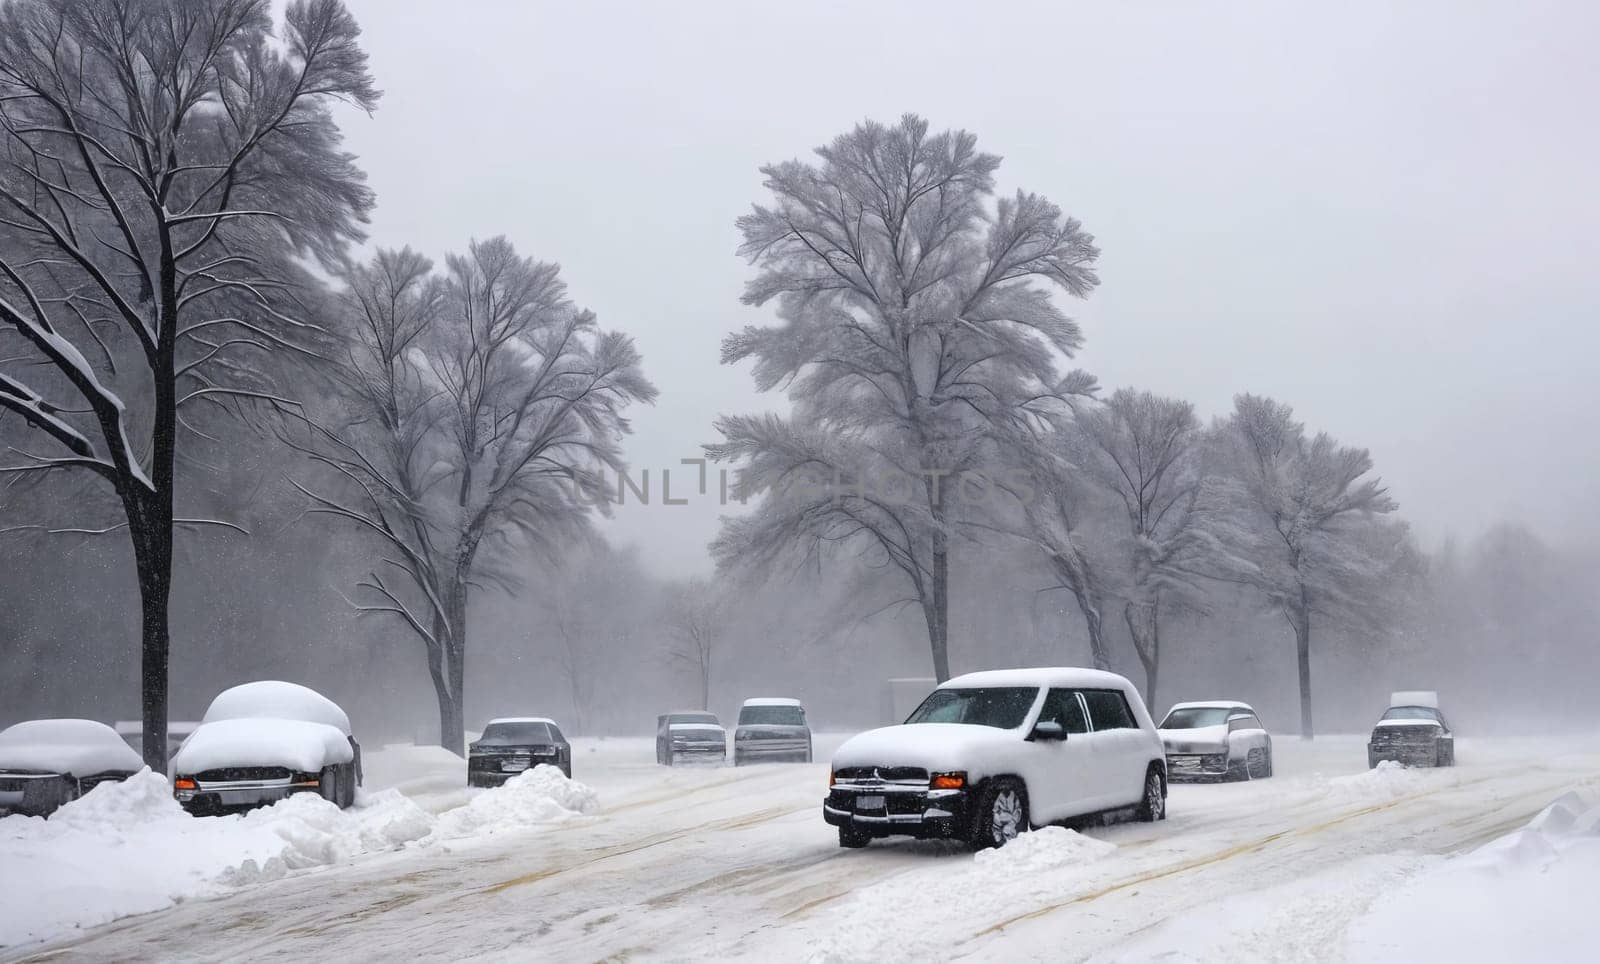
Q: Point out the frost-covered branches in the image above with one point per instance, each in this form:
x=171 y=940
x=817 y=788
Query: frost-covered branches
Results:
x=916 y=316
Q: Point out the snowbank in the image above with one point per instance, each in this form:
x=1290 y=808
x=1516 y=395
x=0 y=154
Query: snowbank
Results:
x=298 y=745
x=79 y=747
x=129 y=848
x=540 y=795
x=1523 y=896
x=904 y=917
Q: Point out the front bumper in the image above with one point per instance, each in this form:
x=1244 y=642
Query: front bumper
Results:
x=921 y=813
x=34 y=794
x=700 y=748
x=794 y=750
x=1409 y=754
x=217 y=794
x=1196 y=766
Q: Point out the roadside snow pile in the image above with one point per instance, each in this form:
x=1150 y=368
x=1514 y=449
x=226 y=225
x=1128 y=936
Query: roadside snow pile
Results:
x=1518 y=897
x=904 y=917
x=540 y=795
x=1390 y=780
x=128 y=848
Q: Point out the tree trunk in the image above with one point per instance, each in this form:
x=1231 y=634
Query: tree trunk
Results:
x=937 y=608
x=1095 y=621
x=152 y=550
x=1300 y=618
x=705 y=684
x=452 y=704
x=1146 y=634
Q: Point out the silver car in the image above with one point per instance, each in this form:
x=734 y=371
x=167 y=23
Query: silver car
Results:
x=772 y=729
x=1217 y=739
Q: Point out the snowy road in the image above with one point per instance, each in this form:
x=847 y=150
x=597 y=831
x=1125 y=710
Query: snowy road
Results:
x=698 y=863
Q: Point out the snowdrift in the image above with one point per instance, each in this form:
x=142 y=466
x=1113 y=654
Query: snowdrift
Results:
x=1519 y=897
x=129 y=848
x=901 y=919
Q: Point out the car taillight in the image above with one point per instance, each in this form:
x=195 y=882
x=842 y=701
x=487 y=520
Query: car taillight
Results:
x=947 y=781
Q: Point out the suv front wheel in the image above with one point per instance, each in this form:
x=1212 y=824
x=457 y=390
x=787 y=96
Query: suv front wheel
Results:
x=1002 y=813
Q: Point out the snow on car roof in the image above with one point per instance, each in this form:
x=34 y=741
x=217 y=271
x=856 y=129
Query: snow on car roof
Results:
x=79 y=747
x=1427 y=698
x=520 y=719
x=1213 y=705
x=271 y=699
x=301 y=745
x=771 y=701
x=1041 y=676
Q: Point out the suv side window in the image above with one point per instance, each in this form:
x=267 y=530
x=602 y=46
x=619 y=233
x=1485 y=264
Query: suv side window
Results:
x=1246 y=723
x=1109 y=710
x=1062 y=706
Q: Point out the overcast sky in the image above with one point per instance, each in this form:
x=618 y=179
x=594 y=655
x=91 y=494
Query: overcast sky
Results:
x=1383 y=214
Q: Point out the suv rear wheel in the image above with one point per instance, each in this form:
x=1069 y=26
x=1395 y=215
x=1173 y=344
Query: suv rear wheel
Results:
x=1154 y=805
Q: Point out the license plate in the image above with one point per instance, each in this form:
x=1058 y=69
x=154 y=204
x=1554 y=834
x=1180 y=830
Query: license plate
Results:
x=513 y=766
x=869 y=803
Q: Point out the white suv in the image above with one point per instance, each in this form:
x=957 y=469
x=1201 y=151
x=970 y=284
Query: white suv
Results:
x=991 y=754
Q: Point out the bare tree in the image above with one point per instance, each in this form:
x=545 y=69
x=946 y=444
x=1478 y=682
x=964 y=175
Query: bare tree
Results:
x=511 y=396
x=697 y=615
x=913 y=319
x=162 y=166
x=1305 y=535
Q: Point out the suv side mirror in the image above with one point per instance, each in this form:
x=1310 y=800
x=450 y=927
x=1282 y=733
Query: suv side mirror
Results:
x=1048 y=731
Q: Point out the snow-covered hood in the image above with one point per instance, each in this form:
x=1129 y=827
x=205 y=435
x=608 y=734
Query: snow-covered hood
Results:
x=296 y=744
x=1196 y=739
x=79 y=747
x=931 y=746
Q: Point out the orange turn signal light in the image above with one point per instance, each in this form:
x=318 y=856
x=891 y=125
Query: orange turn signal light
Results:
x=832 y=778
x=184 y=783
x=948 y=781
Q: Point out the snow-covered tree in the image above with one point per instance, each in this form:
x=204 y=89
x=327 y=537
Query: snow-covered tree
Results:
x=501 y=400
x=1148 y=450
x=165 y=167
x=1304 y=532
x=916 y=316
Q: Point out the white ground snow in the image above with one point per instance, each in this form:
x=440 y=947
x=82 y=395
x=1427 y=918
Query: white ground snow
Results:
x=1326 y=861
x=128 y=848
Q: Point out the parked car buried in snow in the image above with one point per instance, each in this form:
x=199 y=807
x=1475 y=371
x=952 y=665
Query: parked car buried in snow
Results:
x=261 y=742
x=1413 y=732
x=46 y=763
x=511 y=745
x=690 y=735
x=1220 y=738
x=989 y=755
x=772 y=729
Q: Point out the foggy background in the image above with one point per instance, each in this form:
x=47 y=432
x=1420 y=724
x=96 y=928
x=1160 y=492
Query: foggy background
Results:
x=1382 y=215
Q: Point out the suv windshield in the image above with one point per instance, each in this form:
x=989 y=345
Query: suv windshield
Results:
x=692 y=718
x=772 y=716
x=1412 y=713
x=1004 y=707
x=1194 y=717
x=517 y=734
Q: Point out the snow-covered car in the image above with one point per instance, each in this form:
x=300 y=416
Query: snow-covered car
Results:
x=45 y=763
x=261 y=742
x=132 y=733
x=512 y=744
x=690 y=735
x=1412 y=731
x=1216 y=738
x=991 y=754
x=772 y=728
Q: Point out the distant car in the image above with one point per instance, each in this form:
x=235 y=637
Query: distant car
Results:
x=46 y=763
x=1219 y=738
x=261 y=742
x=511 y=745
x=132 y=732
x=690 y=735
x=1413 y=732
x=772 y=729
x=990 y=755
